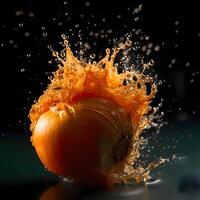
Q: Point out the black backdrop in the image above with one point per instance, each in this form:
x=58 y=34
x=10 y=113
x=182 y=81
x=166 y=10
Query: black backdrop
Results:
x=28 y=26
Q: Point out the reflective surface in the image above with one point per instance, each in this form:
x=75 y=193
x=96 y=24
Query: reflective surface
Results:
x=22 y=175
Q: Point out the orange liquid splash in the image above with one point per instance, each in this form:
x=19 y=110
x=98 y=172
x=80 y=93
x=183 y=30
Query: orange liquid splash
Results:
x=75 y=80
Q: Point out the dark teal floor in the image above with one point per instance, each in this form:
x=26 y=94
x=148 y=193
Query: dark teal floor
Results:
x=23 y=177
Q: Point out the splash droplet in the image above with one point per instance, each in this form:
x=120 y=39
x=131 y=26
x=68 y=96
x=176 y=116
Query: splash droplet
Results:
x=44 y=34
x=92 y=56
x=31 y=14
x=21 y=25
x=87 y=3
x=28 y=55
x=19 y=12
x=27 y=34
x=157 y=48
x=22 y=70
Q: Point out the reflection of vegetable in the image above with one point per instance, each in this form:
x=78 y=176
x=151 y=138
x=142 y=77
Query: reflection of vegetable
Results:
x=83 y=142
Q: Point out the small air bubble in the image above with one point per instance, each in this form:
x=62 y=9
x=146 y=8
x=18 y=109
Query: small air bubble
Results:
x=194 y=112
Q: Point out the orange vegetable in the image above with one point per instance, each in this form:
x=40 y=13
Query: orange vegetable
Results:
x=79 y=142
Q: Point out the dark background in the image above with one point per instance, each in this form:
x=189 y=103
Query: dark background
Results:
x=28 y=27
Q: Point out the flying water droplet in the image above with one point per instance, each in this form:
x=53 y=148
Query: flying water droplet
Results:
x=173 y=61
x=187 y=64
x=157 y=48
x=87 y=3
x=92 y=56
x=194 y=112
x=44 y=34
x=21 y=25
x=22 y=70
x=19 y=12
x=28 y=55
x=11 y=42
x=192 y=81
x=27 y=34
x=176 y=22
x=31 y=14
